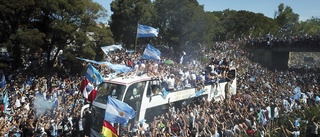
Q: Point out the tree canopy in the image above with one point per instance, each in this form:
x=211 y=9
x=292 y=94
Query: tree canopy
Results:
x=36 y=27
x=50 y=26
x=184 y=25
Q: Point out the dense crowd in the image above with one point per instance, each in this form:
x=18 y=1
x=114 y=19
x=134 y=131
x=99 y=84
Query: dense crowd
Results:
x=284 y=41
x=264 y=102
x=264 y=99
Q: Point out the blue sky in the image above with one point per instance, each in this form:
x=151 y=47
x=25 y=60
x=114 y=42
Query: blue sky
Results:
x=305 y=8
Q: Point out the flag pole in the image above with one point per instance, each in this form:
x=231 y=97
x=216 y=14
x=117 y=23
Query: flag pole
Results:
x=136 y=40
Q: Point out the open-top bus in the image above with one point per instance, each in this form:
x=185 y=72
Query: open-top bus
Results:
x=142 y=94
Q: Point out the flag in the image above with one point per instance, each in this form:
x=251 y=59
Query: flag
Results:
x=87 y=89
x=151 y=53
x=252 y=78
x=93 y=75
x=92 y=95
x=88 y=60
x=84 y=83
x=297 y=122
x=200 y=92
x=181 y=59
x=118 y=111
x=317 y=98
x=297 y=93
x=146 y=31
x=117 y=67
x=164 y=93
x=108 y=130
x=3 y=81
x=6 y=101
x=107 y=49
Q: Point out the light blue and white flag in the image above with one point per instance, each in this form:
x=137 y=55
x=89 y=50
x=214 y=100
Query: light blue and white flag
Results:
x=146 y=31
x=297 y=122
x=297 y=93
x=151 y=53
x=118 y=111
x=93 y=75
x=115 y=67
x=252 y=78
x=6 y=101
x=317 y=98
x=107 y=49
x=200 y=92
x=181 y=59
x=164 y=93
x=90 y=61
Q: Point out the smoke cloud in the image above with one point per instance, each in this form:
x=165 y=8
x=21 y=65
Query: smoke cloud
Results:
x=41 y=105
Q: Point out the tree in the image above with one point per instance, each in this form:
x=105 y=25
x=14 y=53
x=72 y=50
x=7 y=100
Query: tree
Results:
x=125 y=18
x=183 y=24
x=285 y=17
x=233 y=24
x=51 y=26
x=15 y=31
x=310 y=26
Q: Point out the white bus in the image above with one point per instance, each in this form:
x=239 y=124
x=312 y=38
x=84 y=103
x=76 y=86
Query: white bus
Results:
x=139 y=93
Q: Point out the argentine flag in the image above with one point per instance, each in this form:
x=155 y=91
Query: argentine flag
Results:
x=118 y=111
x=146 y=31
x=151 y=53
x=93 y=75
x=117 y=67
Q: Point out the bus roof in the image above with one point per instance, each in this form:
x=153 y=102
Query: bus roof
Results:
x=127 y=80
x=130 y=80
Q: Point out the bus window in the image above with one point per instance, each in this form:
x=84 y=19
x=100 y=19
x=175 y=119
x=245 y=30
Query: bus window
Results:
x=97 y=117
x=153 y=88
x=105 y=89
x=155 y=111
x=133 y=96
x=232 y=74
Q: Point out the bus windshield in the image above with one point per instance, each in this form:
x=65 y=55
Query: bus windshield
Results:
x=105 y=89
x=97 y=115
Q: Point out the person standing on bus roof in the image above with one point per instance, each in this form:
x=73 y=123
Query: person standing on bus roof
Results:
x=170 y=81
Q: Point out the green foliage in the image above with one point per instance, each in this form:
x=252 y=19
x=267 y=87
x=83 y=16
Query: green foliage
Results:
x=40 y=26
x=182 y=22
x=52 y=25
x=126 y=16
x=285 y=16
x=310 y=26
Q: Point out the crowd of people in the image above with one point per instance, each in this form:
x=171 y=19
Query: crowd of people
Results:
x=264 y=102
x=284 y=41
